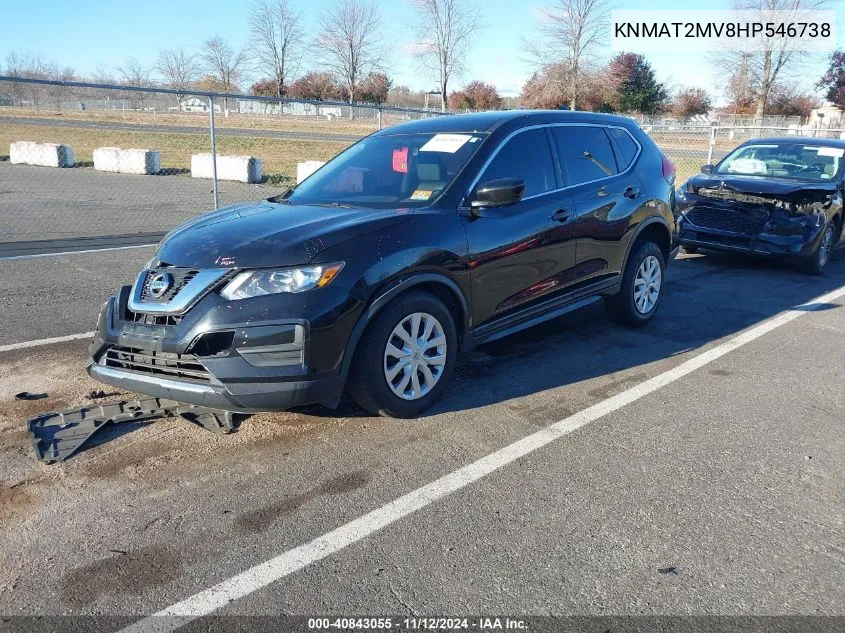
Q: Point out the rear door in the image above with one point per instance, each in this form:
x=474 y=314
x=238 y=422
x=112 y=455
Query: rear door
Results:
x=520 y=253
x=597 y=162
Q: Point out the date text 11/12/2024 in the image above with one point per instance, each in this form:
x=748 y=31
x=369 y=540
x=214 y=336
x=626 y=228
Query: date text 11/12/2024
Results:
x=418 y=624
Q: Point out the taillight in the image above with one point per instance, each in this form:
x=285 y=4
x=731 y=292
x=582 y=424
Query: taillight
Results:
x=668 y=170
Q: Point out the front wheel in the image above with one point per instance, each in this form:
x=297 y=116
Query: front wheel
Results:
x=818 y=261
x=405 y=356
x=642 y=287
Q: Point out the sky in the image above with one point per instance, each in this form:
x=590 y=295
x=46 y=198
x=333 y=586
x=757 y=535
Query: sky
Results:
x=103 y=33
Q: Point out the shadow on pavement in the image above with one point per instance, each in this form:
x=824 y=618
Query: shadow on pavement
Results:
x=708 y=297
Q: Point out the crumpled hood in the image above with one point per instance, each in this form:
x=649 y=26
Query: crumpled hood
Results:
x=789 y=195
x=267 y=234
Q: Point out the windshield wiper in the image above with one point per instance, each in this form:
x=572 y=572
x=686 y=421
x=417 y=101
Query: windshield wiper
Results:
x=336 y=205
x=281 y=198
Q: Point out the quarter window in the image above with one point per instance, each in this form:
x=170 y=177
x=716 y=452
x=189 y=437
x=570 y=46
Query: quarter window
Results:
x=526 y=156
x=627 y=146
x=585 y=151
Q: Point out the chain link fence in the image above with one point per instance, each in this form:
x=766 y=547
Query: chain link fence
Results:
x=691 y=147
x=140 y=161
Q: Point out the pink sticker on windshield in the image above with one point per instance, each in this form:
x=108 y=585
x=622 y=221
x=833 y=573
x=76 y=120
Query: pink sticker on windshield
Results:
x=400 y=160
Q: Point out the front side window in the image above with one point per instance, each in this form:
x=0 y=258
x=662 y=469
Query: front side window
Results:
x=585 y=151
x=390 y=171
x=527 y=157
x=784 y=160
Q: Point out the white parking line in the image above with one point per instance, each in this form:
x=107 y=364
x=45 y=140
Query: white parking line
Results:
x=263 y=574
x=45 y=341
x=89 y=250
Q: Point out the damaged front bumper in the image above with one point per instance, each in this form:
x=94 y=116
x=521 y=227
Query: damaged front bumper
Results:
x=208 y=360
x=795 y=236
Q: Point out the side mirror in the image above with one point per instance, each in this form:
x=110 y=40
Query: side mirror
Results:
x=707 y=169
x=498 y=193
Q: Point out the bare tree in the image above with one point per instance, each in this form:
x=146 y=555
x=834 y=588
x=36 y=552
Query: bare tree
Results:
x=134 y=73
x=60 y=93
x=444 y=29
x=570 y=29
x=28 y=66
x=178 y=69
x=102 y=75
x=225 y=65
x=278 y=40
x=758 y=67
x=349 y=41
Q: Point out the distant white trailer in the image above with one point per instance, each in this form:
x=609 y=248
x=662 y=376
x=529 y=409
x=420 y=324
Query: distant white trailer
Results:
x=42 y=154
x=241 y=168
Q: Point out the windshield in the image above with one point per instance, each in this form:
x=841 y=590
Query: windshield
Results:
x=389 y=171
x=784 y=160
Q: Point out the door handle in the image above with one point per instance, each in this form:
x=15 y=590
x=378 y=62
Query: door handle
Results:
x=631 y=192
x=562 y=215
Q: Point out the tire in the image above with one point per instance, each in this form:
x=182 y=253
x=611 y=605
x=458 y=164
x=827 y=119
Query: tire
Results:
x=623 y=307
x=691 y=249
x=368 y=381
x=818 y=261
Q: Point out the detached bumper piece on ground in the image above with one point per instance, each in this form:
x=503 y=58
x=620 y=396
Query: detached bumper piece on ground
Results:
x=58 y=435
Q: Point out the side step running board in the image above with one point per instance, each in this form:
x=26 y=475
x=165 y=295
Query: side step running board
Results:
x=58 y=435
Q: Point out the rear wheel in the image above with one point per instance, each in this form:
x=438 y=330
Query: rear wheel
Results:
x=642 y=287
x=405 y=356
x=818 y=261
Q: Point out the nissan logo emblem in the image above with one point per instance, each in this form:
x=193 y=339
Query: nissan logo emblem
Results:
x=160 y=283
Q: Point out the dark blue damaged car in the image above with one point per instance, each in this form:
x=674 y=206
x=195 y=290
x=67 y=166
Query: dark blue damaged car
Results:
x=770 y=196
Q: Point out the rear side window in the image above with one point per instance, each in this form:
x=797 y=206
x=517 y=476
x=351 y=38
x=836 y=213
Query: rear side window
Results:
x=585 y=151
x=526 y=156
x=627 y=147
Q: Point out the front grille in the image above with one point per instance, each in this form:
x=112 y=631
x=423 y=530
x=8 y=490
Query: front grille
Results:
x=154 y=319
x=181 y=277
x=746 y=220
x=164 y=364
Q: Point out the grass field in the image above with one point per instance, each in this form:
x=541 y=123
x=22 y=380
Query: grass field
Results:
x=282 y=123
x=280 y=156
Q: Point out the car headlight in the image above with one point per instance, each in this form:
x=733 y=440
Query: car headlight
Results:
x=681 y=193
x=257 y=283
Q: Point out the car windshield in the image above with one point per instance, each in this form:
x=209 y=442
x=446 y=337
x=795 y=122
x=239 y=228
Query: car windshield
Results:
x=784 y=160
x=389 y=171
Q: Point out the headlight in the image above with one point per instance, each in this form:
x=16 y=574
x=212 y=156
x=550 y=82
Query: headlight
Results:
x=257 y=283
x=681 y=193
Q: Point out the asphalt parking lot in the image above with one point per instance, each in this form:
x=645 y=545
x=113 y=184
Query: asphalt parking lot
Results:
x=67 y=204
x=697 y=473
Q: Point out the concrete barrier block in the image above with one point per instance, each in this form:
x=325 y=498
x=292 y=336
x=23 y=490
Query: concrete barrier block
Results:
x=43 y=154
x=139 y=161
x=127 y=161
x=241 y=168
x=107 y=159
x=306 y=168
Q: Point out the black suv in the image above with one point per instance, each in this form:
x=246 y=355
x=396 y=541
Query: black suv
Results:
x=419 y=241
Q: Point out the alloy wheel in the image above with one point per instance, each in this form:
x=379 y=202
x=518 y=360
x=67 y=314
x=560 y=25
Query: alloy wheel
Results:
x=826 y=247
x=647 y=284
x=415 y=356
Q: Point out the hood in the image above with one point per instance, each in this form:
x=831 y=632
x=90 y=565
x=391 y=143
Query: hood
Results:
x=790 y=195
x=267 y=234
